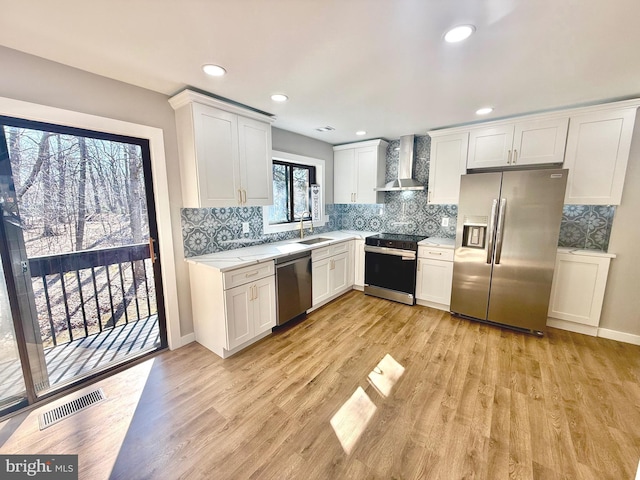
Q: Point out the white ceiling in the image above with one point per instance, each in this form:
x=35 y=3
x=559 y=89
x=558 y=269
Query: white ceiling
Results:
x=374 y=65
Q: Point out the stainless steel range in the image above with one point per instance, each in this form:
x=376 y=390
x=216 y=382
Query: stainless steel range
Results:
x=390 y=266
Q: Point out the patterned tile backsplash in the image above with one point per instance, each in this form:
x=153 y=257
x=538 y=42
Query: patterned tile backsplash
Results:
x=586 y=226
x=210 y=230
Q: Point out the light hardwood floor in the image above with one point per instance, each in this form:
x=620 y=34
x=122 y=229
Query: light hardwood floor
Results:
x=473 y=401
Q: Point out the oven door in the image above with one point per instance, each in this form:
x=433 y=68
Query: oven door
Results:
x=390 y=268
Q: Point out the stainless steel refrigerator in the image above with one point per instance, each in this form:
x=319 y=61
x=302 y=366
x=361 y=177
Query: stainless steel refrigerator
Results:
x=506 y=243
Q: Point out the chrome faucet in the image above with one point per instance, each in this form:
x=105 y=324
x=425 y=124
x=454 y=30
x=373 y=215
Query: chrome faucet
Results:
x=302 y=224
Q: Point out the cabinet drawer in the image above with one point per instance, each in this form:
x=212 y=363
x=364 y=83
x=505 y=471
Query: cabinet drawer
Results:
x=329 y=250
x=436 y=253
x=244 y=275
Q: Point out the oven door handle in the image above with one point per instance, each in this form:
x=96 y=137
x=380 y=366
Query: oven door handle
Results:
x=405 y=254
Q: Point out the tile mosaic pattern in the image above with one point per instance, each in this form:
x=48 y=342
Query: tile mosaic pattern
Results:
x=403 y=212
x=400 y=215
x=210 y=230
x=586 y=226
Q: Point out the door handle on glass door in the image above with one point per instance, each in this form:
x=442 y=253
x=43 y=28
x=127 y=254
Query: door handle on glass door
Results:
x=491 y=232
x=500 y=230
x=152 y=250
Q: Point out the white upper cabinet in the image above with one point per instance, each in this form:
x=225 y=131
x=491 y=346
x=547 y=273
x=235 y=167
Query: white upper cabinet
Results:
x=529 y=142
x=344 y=172
x=256 y=169
x=448 y=161
x=359 y=168
x=225 y=152
x=597 y=154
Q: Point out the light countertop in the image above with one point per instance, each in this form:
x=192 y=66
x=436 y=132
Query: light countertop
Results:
x=587 y=253
x=438 y=242
x=242 y=257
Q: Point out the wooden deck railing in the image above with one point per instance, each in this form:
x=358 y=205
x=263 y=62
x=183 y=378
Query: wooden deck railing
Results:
x=81 y=293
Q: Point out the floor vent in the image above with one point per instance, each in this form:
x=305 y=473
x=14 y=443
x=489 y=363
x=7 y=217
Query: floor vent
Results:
x=73 y=406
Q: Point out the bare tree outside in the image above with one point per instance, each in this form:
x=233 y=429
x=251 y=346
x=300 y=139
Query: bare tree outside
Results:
x=79 y=194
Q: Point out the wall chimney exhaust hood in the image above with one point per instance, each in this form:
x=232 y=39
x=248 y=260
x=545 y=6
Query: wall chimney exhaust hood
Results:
x=405 y=180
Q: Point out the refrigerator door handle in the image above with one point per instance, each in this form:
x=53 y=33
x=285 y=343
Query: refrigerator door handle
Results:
x=500 y=230
x=491 y=231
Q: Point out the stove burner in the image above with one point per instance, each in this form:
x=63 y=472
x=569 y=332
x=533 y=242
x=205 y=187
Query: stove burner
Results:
x=395 y=240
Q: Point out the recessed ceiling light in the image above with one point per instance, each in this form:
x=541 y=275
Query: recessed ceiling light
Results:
x=214 y=70
x=459 y=33
x=279 y=97
x=361 y=132
x=484 y=111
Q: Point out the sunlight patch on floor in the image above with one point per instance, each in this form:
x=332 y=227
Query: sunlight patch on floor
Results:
x=351 y=420
x=385 y=375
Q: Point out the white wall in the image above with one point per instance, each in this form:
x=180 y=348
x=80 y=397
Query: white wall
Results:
x=621 y=309
x=33 y=79
x=36 y=80
x=285 y=141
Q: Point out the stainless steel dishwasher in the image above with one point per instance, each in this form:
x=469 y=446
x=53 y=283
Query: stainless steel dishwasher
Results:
x=293 y=286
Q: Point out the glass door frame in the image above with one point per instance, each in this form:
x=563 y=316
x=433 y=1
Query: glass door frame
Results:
x=32 y=396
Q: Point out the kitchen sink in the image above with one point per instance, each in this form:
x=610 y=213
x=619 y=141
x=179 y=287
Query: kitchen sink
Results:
x=311 y=241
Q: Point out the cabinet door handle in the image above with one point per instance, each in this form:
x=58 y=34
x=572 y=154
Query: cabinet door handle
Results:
x=255 y=290
x=244 y=196
x=419 y=263
x=253 y=274
x=240 y=196
x=509 y=158
x=515 y=156
x=435 y=253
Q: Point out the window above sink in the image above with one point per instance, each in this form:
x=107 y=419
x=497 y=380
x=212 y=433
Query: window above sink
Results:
x=281 y=217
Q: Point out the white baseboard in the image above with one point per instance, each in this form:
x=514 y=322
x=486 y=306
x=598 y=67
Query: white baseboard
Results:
x=330 y=299
x=619 y=336
x=427 y=303
x=572 y=327
x=186 y=339
x=594 y=331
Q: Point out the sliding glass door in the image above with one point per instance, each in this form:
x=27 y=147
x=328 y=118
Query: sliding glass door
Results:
x=78 y=240
x=13 y=393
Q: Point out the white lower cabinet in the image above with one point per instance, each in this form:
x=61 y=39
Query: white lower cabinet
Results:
x=358 y=264
x=577 y=292
x=332 y=271
x=233 y=309
x=320 y=281
x=434 y=276
x=250 y=311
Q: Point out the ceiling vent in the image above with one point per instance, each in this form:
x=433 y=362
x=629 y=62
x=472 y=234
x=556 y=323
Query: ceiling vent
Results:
x=325 y=129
